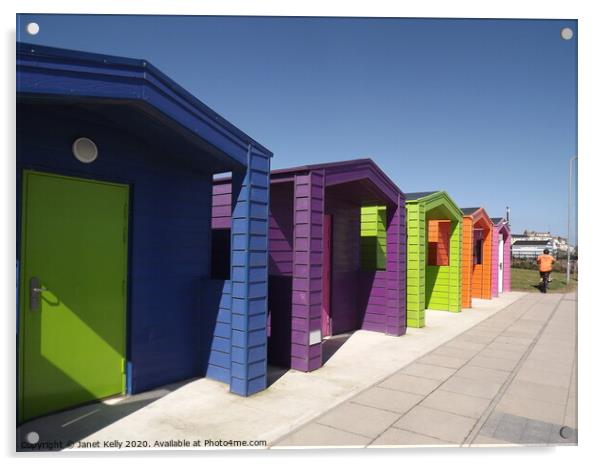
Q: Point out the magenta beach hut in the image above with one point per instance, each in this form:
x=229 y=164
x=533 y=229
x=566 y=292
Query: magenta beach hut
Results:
x=500 y=257
x=318 y=283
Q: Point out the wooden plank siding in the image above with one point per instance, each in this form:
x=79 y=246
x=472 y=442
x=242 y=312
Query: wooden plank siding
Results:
x=307 y=270
x=467 y=262
x=477 y=281
x=384 y=288
x=416 y=264
x=371 y=300
x=437 y=287
x=500 y=231
x=396 y=269
x=508 y=260
x=249 y=263
x=373 y=234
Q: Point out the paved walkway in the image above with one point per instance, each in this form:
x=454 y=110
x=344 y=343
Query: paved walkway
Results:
x=511 y=379
x=204 y=409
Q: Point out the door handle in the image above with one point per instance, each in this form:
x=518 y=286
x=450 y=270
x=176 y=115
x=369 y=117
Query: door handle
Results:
x=35 y=293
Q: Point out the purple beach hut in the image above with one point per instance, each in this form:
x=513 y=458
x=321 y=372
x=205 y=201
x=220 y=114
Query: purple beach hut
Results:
x=318 y=284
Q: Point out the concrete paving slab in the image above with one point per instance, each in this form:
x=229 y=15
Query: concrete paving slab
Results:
x=444 y=361
x=490 y=425
x=483 y=373
x=532 y=409
x=457 y=343
x=510 y=428
x=456 y=403
x=544 y=377
x=472 y=338
x=536 y=432
x=459 y=353
x=537 y=391
x=359 y=419
x=501 y=354
x=428 y=371
x=493 y=363
x=398 y=437
x=318 y=435
x=479 y=388
x=409 y=383
x=440 y=424
x=389 y=400
x=485 y=441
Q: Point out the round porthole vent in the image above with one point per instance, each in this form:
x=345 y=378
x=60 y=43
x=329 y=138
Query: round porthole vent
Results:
x=85 y=150
x=32 y=29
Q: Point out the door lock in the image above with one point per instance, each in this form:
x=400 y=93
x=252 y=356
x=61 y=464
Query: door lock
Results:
x=35 y=293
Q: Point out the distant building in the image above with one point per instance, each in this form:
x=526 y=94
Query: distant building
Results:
x=556 y=243
x=530 y=249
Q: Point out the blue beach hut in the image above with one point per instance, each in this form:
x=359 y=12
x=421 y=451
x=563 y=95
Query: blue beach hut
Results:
x=122 y=286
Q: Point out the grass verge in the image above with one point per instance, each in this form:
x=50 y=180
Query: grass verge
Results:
x=524 y=280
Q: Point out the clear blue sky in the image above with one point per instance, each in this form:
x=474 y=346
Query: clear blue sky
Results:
x=484 y=109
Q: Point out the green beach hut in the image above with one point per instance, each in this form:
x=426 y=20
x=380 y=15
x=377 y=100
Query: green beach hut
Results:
x=434 y=236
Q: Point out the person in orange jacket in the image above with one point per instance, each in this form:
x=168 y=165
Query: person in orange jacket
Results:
x=545 y=262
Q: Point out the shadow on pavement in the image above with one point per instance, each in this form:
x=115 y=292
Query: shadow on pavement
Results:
x=332 y=344
x=60 y=430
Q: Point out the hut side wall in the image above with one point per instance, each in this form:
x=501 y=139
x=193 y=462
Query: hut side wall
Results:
x=382 y=306
x=503 y=232
x=373 y=238
x=396 y=270
x=416 y=264
x=495 y=237
x=508 y=263
x=455 y=267
x=481 y=273
x=500 y=231
x=467 y=262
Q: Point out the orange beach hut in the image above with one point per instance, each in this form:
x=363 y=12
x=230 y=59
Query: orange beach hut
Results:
x=477 y=239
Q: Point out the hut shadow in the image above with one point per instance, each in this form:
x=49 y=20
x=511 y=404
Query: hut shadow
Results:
x=60 y=430
x=280 y=291
x=332 y=344
x=275 y=373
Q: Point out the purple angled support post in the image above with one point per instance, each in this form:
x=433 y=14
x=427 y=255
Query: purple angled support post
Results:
x=396 y=270
x=306 y=354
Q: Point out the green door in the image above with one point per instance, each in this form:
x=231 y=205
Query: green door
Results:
x=72 y=292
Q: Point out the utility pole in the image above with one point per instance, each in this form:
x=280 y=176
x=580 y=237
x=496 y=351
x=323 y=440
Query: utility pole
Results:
x=568 y=233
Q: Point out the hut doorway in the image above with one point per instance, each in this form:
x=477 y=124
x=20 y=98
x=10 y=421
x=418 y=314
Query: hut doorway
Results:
x=500 y=275
x=73 y=302
x=326 y=275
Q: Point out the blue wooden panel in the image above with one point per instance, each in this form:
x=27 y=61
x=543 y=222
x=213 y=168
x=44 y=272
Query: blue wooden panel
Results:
x=257 y=384
x=249 y=278
x=173 y=306
x=220 y=344
x=218 y=358
x=239 y=371
x=221 y=374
